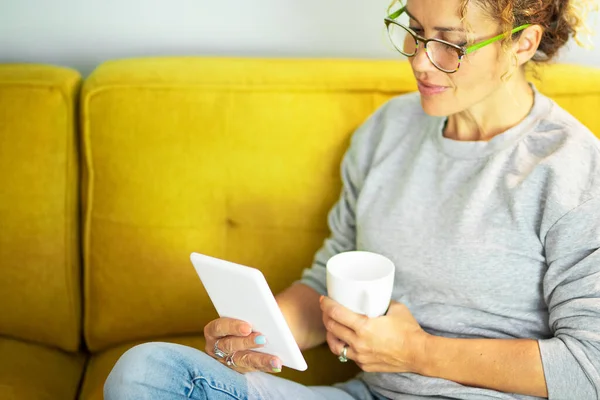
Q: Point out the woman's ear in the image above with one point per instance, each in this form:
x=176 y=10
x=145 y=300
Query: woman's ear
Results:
x=527 y=44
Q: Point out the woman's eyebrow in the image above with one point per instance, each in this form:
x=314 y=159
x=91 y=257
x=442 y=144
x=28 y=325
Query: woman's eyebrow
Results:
x=437 y=28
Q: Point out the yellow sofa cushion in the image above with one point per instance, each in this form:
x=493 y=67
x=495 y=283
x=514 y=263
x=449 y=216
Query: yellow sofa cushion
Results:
x=235 y=158
x=575 y=88
x=30 y=371
x=39 y=241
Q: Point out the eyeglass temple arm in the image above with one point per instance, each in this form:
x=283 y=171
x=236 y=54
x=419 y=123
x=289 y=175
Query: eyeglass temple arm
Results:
x=396 y=14
x=495 y=38
x=477 y=46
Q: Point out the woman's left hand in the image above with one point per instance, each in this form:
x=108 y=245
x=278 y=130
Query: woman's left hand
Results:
x=390 y=343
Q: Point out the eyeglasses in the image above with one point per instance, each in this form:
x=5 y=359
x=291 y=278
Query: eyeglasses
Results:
x=445 y=56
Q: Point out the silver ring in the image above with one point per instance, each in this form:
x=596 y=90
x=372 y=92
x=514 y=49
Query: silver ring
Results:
x=229 y=360
x=343 y=357
x=218 y=352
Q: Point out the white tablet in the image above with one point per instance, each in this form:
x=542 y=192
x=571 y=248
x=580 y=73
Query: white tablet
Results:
x=243 y=293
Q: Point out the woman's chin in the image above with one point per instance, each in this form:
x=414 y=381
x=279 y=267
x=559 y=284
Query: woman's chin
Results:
x=435 y=108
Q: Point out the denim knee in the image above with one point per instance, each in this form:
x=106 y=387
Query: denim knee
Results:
x=167 y=370
x=130 y=374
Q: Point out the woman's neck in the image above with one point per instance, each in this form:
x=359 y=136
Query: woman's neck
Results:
x=503 y=109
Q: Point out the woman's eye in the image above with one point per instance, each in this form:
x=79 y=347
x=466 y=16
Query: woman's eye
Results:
x=456 y=42
x=416 y=29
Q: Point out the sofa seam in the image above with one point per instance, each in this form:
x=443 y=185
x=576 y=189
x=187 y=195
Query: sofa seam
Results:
x=225 y=88
x=69 y=223
x=33 y=85
x=283 y=88
x=87 y=150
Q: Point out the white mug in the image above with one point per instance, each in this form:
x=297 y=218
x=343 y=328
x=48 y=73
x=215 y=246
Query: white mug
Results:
x=361 y=281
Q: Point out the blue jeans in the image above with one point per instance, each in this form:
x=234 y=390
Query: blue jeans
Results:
x=170 y=371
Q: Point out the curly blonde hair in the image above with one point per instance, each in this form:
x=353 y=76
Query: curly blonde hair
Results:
x=560 y=19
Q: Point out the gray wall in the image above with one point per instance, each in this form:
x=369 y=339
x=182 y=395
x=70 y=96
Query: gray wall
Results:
x=83 y=33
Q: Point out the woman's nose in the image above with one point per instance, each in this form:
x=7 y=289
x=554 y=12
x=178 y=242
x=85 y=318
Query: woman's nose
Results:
x=420 y=61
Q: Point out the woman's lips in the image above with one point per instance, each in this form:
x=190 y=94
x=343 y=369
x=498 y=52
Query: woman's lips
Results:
x=429 y=89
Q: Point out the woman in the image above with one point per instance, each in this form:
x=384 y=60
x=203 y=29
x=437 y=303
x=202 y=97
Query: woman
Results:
x=484 y=193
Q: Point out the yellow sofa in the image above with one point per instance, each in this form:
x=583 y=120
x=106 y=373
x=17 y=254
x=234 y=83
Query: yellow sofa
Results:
x=108 y=184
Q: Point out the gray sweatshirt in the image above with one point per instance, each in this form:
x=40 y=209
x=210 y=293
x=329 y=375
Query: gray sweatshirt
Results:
x=494 y=239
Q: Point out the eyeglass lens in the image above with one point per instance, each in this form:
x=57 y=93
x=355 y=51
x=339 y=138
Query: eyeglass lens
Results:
x=443 y=56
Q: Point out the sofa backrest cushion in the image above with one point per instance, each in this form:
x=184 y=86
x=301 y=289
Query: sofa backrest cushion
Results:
x=40 y=290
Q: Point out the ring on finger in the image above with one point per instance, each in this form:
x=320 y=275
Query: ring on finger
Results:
x=229 y=360
x=218 y=352
x=343 y=357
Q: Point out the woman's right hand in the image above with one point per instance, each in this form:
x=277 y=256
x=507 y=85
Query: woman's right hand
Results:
x=236 y=339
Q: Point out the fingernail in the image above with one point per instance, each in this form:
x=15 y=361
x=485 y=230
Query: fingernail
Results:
x=277 y=370
x=276 y=365
x=260 y=340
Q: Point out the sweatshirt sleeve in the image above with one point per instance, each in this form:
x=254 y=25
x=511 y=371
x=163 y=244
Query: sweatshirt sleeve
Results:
x=342 y=217
x=571 y=286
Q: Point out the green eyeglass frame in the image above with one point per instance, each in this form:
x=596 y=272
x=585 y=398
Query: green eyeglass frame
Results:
x=391 y=19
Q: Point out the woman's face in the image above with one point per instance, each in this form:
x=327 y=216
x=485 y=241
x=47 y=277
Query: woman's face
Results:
x=480 y=72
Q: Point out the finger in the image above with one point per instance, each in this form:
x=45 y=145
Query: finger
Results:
x=325 y=319
x=332 y=325
x=222 y=327
x=338 y=348
x=342 y=315
x=253 y=361
x=340 y=331
x=334 y=343
x=360 y=358
x=230 y=344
